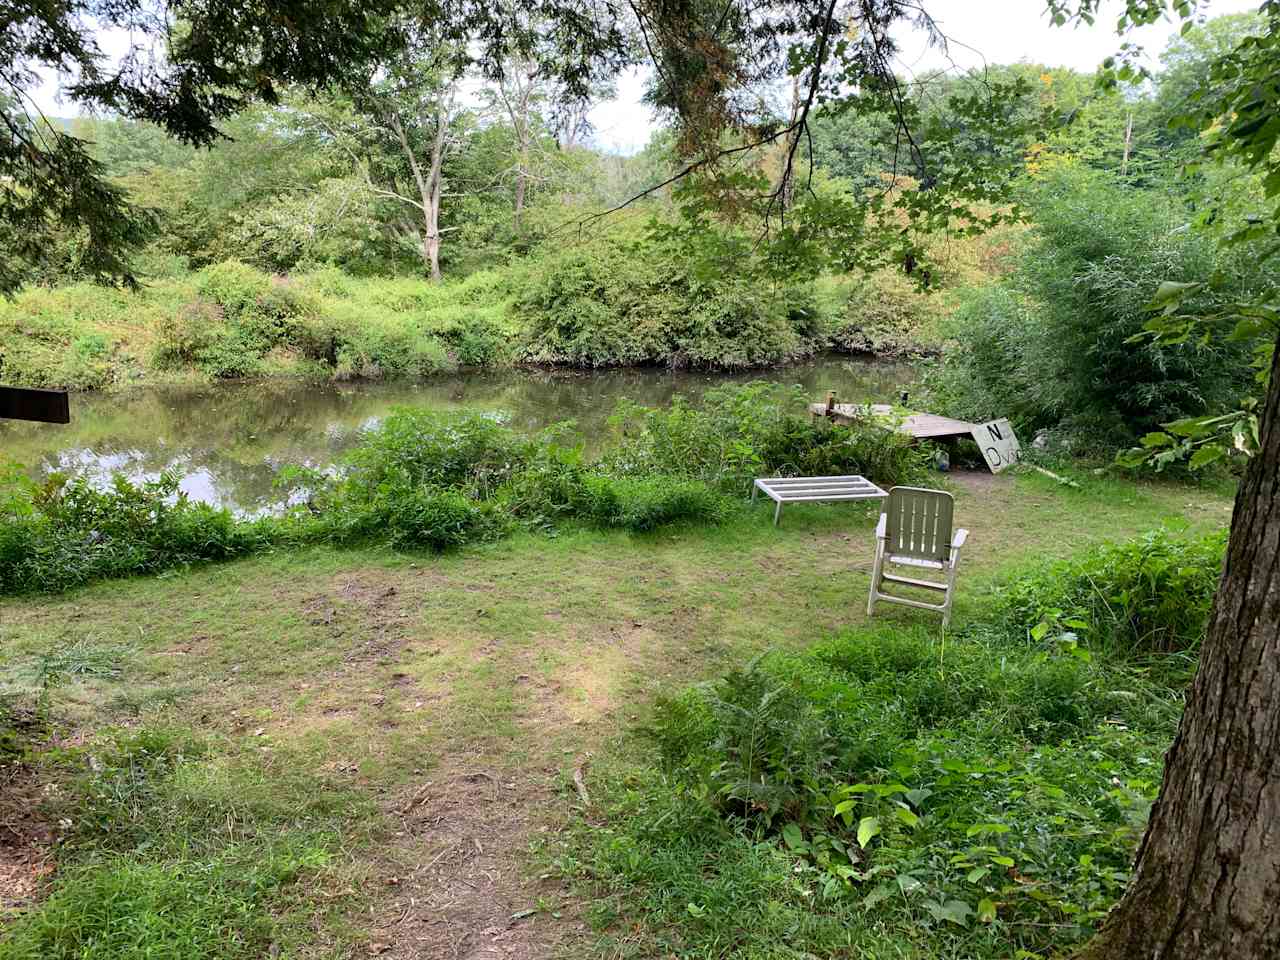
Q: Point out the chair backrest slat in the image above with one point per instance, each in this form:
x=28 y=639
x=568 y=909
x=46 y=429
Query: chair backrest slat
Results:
x=920 y=522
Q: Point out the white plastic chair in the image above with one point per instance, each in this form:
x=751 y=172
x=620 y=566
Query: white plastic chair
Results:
x=915 y=531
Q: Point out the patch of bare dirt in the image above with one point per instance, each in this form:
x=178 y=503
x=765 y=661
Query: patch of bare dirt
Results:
x=25 y=839
x=457 y=890
x=371 y=610
x=977 y=481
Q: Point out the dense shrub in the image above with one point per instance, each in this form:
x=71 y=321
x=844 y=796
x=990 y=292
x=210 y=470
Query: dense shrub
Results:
x=472 y=451
x=409 y=516
x=62 y=533
x=186 y=335
x=884 y=314
x=993 y=365
x=615 y=303
x=1060 y=345
x=741 y=432
x=1147 y=595
x=427 y=479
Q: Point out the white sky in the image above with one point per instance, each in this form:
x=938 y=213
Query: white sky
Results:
x=991 y=31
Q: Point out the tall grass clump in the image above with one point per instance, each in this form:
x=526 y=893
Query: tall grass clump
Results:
x=1150 y=595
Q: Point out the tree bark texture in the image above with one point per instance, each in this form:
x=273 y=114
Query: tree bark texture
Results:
x=1206 y=882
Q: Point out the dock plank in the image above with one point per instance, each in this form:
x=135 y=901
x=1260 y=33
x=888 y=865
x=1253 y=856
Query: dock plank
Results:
x=922 y=426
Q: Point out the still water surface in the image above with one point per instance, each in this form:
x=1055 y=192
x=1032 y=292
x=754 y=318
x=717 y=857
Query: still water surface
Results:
x=228 y=440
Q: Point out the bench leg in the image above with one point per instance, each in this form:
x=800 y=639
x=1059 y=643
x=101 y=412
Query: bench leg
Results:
x=777 y=513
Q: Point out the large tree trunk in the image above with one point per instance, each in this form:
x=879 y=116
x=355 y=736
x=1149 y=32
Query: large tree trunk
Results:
x=435 y=182
x=1207 y=880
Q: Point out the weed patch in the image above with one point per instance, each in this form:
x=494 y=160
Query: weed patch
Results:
x=892 y=792
x=1148 y=595
x=176 y=847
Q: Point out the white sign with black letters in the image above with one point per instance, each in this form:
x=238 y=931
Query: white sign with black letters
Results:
x=998 y=443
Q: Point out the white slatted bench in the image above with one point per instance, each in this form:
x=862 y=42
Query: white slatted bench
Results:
x=815 y=490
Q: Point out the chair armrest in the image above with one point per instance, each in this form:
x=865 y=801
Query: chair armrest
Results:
x=882 y=528
x=958 y=540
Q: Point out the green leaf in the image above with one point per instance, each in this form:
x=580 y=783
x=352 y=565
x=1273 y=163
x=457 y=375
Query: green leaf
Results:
x=1192 y=427
x=868 y=827
x=1133 y=457
x=986 y=910
x=1152 y=440
x=986 y=829
x=906 y=816
x=918 y=796
x=1171 y=293
x=793 y=838
x=1206 y=455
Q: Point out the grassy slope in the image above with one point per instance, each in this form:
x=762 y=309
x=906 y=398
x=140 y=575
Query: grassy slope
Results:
x=458 y=693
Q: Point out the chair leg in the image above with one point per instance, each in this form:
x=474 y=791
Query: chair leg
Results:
x=876 y=569
x=949 y=596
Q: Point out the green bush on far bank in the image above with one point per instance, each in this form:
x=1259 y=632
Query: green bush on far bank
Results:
x=613 y=301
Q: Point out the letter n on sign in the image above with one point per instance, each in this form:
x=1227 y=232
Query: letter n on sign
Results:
x=998 y=443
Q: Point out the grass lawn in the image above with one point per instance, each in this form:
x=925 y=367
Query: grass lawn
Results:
x=351 y=752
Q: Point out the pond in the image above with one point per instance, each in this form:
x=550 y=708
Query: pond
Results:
x=228 y=440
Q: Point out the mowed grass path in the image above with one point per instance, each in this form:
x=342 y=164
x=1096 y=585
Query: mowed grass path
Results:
x=461 y=692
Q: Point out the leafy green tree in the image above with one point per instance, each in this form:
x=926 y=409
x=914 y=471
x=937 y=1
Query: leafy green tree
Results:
x=1207 y=877
x=1185 y=68
x=124 y=147
x=192 y=65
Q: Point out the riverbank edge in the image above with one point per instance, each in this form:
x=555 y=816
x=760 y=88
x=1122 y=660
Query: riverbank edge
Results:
x=305 y=371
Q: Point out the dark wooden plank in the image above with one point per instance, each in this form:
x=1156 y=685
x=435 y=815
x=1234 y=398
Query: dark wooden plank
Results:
x=42 y=406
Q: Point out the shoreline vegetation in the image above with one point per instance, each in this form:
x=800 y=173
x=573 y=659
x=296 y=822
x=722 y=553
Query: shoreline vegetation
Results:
x=428 y=481
x=620 y=298
x=230 y=321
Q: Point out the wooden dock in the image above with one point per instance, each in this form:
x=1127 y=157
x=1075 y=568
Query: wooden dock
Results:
x=922 y=426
